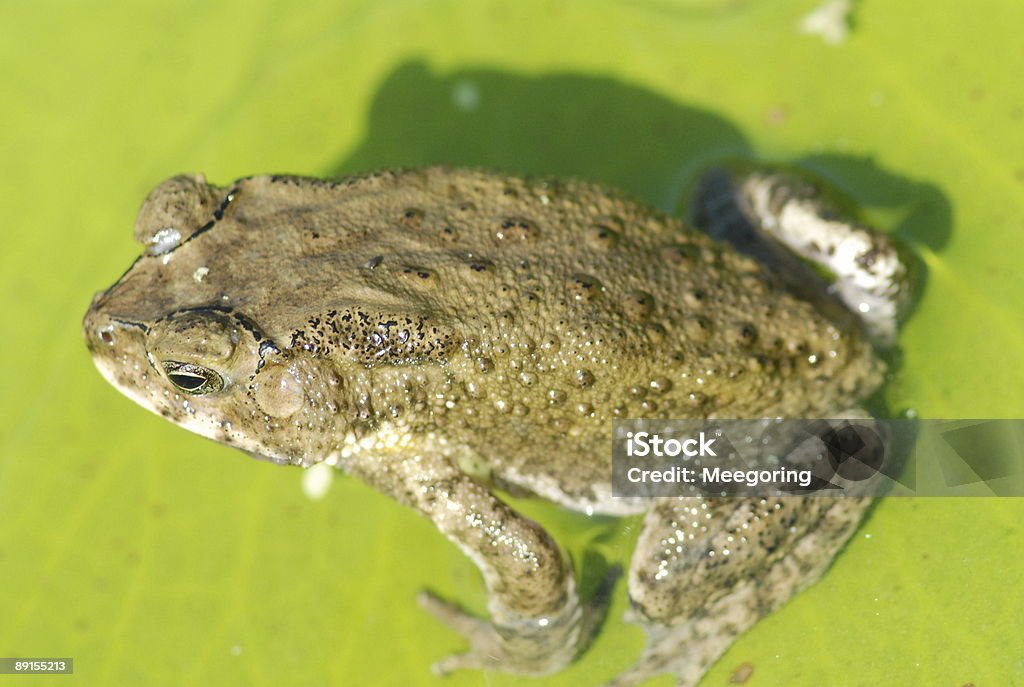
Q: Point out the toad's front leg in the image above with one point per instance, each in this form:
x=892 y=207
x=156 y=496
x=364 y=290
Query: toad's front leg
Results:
x=537 y=623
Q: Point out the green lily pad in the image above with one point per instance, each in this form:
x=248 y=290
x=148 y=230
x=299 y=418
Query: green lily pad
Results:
x=155 y=557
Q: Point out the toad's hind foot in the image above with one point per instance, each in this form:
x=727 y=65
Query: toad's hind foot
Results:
x=686 y=651
x=774 y=215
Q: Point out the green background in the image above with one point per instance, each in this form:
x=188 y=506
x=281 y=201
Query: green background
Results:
x=155 y=557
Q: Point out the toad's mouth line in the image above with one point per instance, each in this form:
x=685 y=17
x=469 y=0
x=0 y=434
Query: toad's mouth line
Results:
x=205 y=427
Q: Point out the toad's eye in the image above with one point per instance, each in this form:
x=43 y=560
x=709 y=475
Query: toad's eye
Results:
x=193 y=379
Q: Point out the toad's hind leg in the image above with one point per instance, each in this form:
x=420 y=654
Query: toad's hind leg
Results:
x=774 y=215
x=705 y=570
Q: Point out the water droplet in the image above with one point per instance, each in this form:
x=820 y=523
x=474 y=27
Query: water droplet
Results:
x=550 y=343
x=559 y=424
x=164 y=240
x=316 y=481
x=556 y=397
x=584 y=378
x=637 y=391
x=465 y=95
x=697 y=399
x=661 y=385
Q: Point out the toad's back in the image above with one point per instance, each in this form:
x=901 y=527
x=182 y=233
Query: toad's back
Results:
x=537 y=311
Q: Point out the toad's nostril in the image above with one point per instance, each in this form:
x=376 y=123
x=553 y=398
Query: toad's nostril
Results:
x=106 y=335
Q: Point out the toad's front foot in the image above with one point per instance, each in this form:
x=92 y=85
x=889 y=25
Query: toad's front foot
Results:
x=527 y=646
